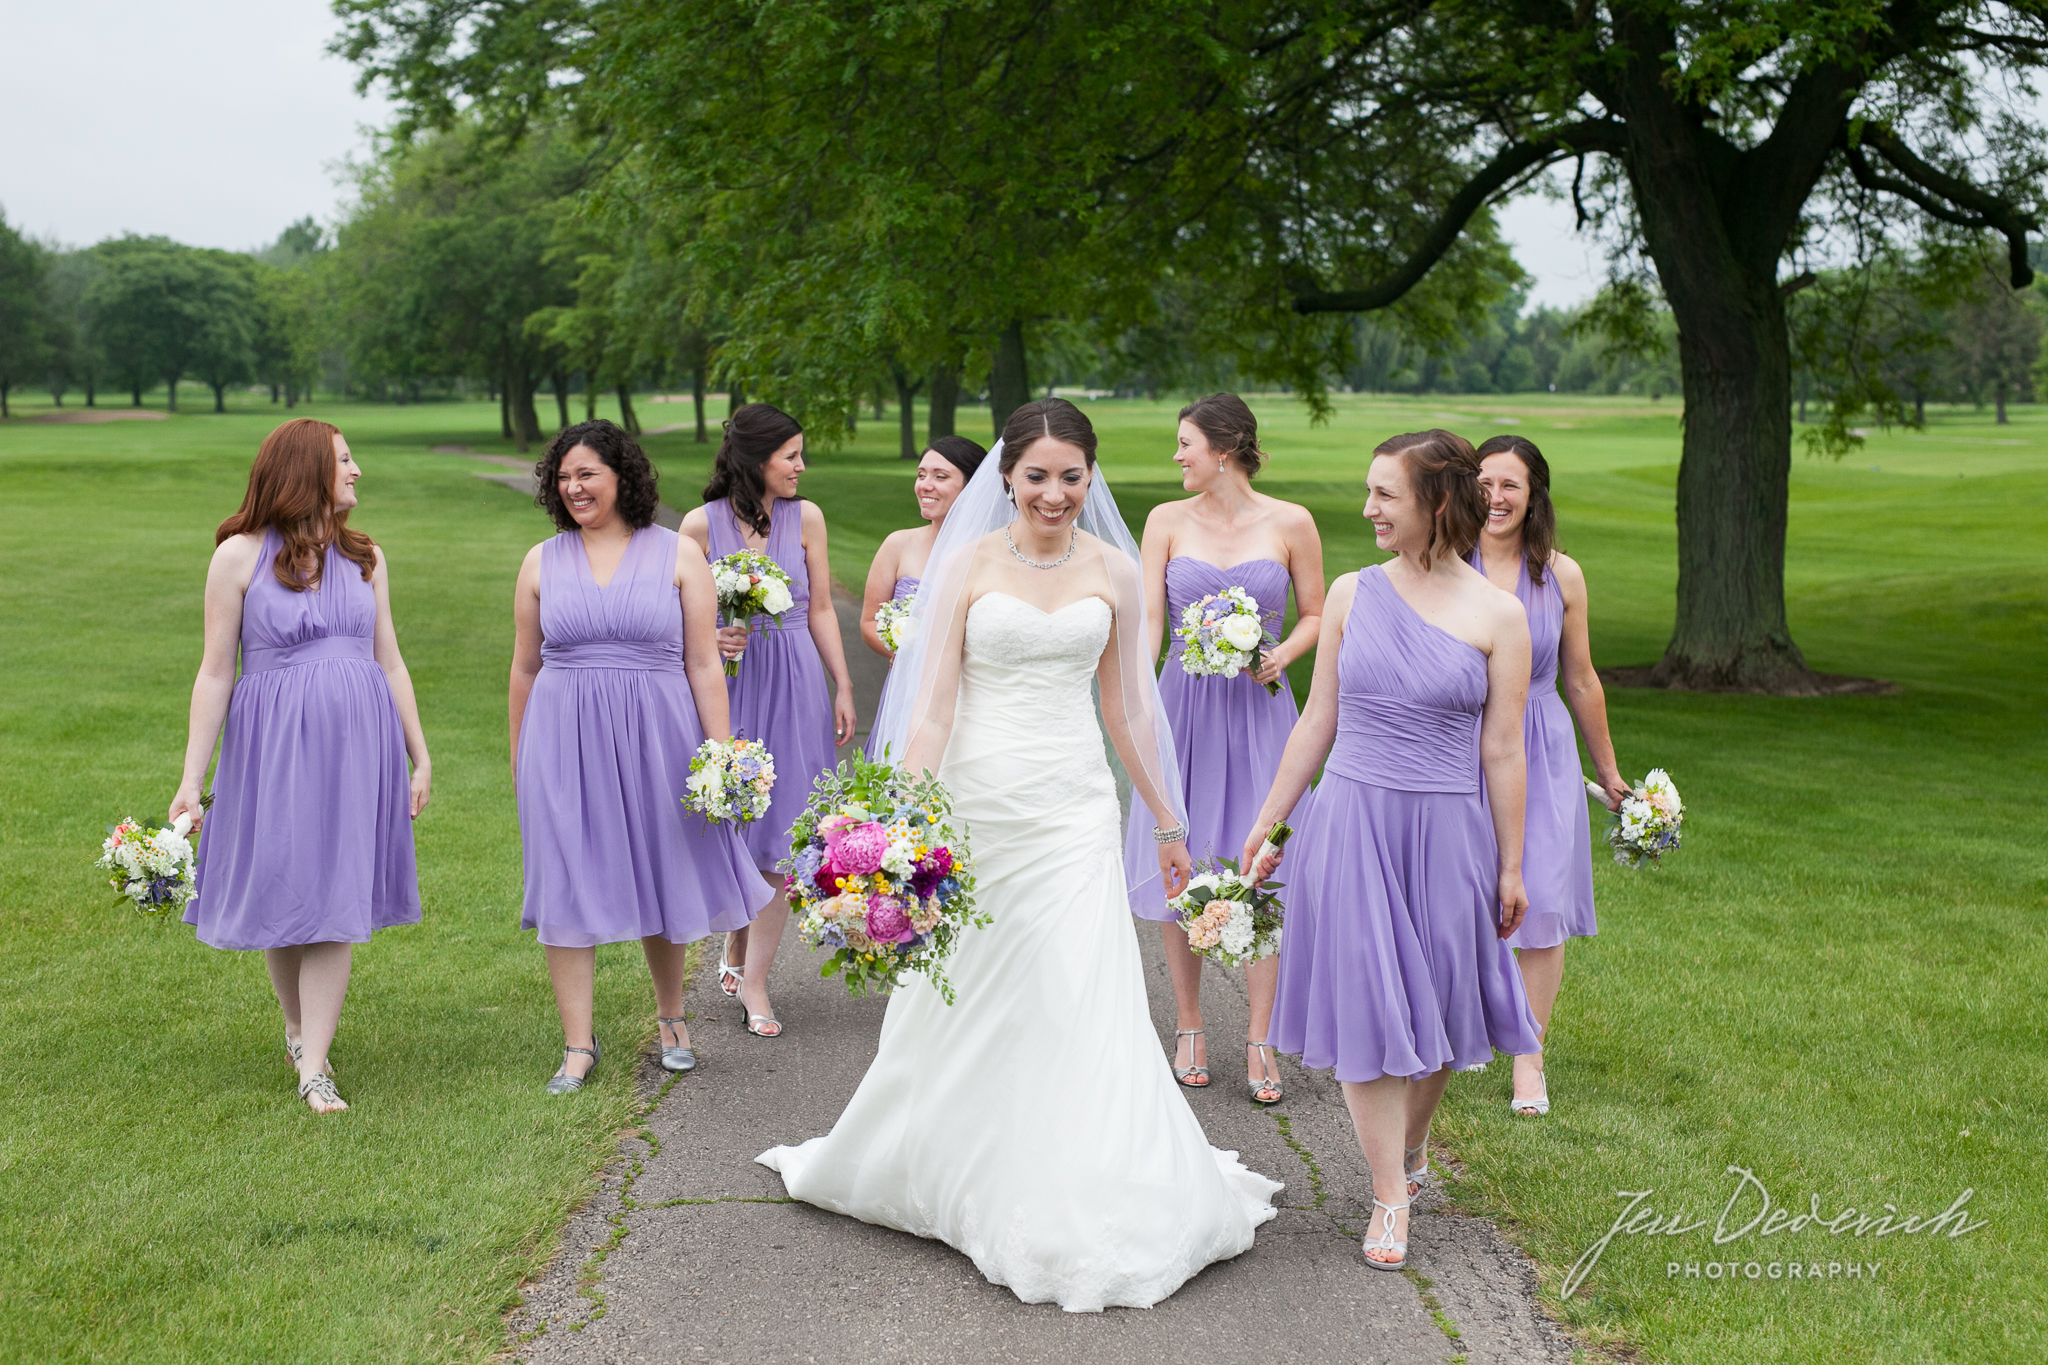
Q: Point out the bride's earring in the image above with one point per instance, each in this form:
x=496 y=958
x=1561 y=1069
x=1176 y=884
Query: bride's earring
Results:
x=1011 y=494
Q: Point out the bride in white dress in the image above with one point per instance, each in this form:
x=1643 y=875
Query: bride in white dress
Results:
x=1035 y=1125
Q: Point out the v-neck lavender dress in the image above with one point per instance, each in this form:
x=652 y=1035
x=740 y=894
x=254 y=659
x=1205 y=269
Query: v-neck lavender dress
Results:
x=1228 y=733
x=1390 y=963
x=1557 y=837
x=781 y=696
x=604 y=760
x=905 y=587
x=309 y=839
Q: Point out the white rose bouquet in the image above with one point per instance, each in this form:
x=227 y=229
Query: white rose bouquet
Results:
x=731 y=779
x=1649 y=822
x=1228 y=920
x=749 y=584
x=152 y=865
x=894 y=624
x=1223 y=635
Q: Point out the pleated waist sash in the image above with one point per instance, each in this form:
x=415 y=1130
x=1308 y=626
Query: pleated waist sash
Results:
x=262 y=658
x=640 y=654
x=1404 y=745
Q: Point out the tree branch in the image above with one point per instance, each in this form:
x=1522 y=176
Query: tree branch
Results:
x=1973 y=207
x=1509 y=163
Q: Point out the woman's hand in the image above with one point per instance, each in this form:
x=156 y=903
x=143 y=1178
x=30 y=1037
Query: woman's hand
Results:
x=1514 y=902
x=1269 y=865
x=1272 y=668
x=186 y=802
x=1612 y=783
x=423 y=784
x=843 y=719
x=1176 y=868
x=732 y=641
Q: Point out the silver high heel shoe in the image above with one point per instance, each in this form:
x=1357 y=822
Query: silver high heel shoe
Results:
x=1418 y=1175
x=562 y=1083
x=677 y=1058
x=1265 y=1087
x=1192 y=1076
x=1385 y=1241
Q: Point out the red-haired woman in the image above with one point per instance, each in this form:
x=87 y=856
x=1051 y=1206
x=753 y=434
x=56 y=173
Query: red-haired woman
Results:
x=309 y=846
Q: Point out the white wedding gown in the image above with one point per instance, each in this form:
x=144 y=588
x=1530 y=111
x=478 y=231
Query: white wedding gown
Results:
x=1035 y=1124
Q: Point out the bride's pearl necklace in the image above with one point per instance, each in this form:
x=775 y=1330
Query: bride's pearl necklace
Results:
x=1072 y=541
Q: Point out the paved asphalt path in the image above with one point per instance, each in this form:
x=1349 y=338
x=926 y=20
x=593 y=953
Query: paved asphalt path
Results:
x=691 y=1252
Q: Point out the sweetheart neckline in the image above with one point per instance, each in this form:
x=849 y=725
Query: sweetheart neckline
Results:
x=1091 y=597
x=1230 y=568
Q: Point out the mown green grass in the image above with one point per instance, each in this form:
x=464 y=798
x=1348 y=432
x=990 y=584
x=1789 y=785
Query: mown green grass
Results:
x=1836 y=984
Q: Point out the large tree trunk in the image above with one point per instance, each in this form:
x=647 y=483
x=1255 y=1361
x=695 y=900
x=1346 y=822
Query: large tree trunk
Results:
x=525 y=420
x=2003 y=420
x=1009 y=386
x=171 y=383
x=89 y=395
x=943 y=403
x=138 y=394
x=505 y=410
x=697 y=400
x=5 y=385
x=735 y=396
x=906 y=411
x=220 y=397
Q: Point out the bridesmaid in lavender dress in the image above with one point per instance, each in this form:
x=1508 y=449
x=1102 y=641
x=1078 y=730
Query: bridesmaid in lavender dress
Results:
x=309 y=846
x=780 y=696
x=1228 y=732
x=1516 y=552
x=1393 y=968
x=615 y=682
x=948 y=463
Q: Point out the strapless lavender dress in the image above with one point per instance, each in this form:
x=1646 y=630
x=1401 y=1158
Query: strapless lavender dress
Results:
x=1228 y=733
x=781 y=696
x=604 y=759
x=1390 y=963
x=1557 y=837
x=905 y=587
x=309 y=839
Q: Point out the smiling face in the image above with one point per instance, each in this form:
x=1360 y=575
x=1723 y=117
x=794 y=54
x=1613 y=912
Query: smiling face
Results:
x=346 y=472
x=1050 y=482
x=780 y=473
x=1504 y=478
x=1400 y=523
x=1199 y=463
x=938 y=486
x=588 y=486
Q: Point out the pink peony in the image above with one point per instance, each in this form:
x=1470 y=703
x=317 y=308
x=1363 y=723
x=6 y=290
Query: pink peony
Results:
x=857 y=850
x=887 y=923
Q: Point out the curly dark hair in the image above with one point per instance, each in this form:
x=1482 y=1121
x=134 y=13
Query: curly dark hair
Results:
x=638 y=495
x=752 y=436
x=1539 y=527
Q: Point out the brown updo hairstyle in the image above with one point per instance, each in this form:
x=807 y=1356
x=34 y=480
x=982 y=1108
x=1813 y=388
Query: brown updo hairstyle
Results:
x=1054 y=417
x=959 y=452
x=622 y=455
x=291 y=488
x=1443 y=469
x=752 y=435
x=1232 y=430
x=1539 y=527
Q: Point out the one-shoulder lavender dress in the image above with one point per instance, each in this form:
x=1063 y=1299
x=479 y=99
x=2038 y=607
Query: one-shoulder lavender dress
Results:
x=1228 y=733
x=905 y=587
x=1557 y=838
x=781 y=696
x=309 y=839
x=1390 y=962
x=604 y=760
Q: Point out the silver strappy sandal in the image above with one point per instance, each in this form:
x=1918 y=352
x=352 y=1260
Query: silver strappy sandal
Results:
x=562 y=1083
x=320 y=1086
x=1182 y=1074
x=729 y=978
x=682 y=1057
x=1385 y=1241
x=1418 y=1176
x=1265 y=1087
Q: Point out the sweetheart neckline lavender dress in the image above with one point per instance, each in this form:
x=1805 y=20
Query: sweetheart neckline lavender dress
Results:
x=780 y=696
x=1390 y=962
x=1557 y=837
x=905 y=587
x=309 y=839
x=1228 y=733
x=611 y=724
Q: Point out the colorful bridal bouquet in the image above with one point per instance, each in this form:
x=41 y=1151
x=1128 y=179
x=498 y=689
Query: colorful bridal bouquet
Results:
x=152 y=865
x=893 y=623
x=880 y=874
x=1228 y=919
x=1223 y=635
x=730 y=779
x=749 y=584
x=1647 y=825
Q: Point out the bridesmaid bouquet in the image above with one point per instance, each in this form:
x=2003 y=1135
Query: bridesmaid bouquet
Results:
x=893 y=623
x=730 y=779
x=749 y=584
x=1647 y=825
x=1227 y=919
x=152 y=865
x=879 y=874
x=1223 y=635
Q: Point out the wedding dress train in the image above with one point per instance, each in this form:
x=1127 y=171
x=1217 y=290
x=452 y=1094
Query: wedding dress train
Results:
x=1034 y=1124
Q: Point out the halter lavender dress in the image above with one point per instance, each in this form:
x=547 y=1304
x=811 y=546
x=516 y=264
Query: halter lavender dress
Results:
x=781 y=696
x=1228 y=733
x=905 y=587
x=1557 y=839
x=604 y=760
x=1389 y=962
x=309 y=839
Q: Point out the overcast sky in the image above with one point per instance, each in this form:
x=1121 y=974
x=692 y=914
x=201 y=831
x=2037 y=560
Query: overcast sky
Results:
x=217 y=123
